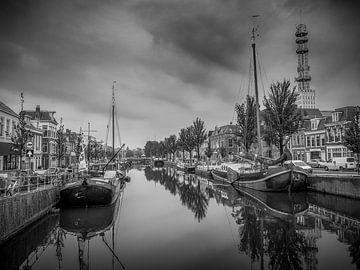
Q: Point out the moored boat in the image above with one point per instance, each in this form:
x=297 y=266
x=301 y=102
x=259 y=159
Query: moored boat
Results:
x=158 y=162
x=186 y=167
x=93 y=191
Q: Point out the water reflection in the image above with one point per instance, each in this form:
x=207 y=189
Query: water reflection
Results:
x=24 y=250
x=276 y=230
x=268 y=230
x=88 y=223
x=192 y=192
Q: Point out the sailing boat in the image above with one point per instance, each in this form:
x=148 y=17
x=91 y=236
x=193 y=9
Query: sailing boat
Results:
x=101 y=190
x=271 y=179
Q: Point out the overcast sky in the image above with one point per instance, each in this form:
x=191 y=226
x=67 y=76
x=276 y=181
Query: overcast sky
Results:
x=173 y=60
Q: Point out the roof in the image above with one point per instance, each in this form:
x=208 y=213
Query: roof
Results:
x=348 y=113
x=42 y=116
x=227 y=129
x=310 y=113
x=4 y=108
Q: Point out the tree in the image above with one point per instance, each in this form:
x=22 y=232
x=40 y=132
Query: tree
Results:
x=60 y=143
x=20 y=137
x=208 y=152
x=151 y=148
x=171 y=145
x=186 y=140
x=246 y=120
x=199 y=134
x=162 y=150
x=352 y=136
x=78 y=142
x=281 y=115
x=222 y=152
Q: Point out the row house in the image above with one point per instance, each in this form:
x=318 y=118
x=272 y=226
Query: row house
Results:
x=315 y=147
x=8 y=120
x=321 y=135
x=303 y=142
x=45 y=121
x=335 y=130
x=224 y=137
x=36 y=134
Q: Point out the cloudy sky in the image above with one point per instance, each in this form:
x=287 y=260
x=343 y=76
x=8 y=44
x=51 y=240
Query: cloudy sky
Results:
x=173 y=60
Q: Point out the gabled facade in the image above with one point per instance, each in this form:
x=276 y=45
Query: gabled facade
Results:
x=315 y=147
x=299 y=147
x=335 y=130
x=45 y=121
x=34 y=162
x=226 y=137
x=8 y=120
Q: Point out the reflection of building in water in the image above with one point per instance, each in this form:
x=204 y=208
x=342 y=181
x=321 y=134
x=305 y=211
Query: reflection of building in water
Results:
x=336 y=222
x=310 y=227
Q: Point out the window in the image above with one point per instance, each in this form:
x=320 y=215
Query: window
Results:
x=45 y=147
x=1 y=126
x=13 y=127
x=8 y=127
x=230 y=142
x=317 y=140
x=308 y=141
x=312 y=141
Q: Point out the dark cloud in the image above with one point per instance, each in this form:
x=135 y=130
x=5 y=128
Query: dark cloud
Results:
x=182 y=57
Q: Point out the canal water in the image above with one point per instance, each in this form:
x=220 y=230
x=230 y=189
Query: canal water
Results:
x=169 y=220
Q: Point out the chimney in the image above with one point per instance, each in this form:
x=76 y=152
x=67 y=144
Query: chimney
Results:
x=37 y=112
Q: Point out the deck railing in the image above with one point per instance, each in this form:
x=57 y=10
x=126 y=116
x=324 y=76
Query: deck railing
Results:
x=10 y=186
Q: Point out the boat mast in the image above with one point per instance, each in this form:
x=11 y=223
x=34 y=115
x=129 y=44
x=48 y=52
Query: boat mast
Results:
x=113 y=118
x=253 y=34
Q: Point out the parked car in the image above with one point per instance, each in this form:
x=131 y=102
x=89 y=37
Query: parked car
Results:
x=300 y=164
x=339 y=163
x=314 y=163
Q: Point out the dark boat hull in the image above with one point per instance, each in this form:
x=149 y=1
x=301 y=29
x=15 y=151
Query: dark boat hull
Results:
x=276 y=179
x=159 y=163
x=220 y=176
x=279 y=205
x=79 y=220
x=91 y=193
x=187 y=169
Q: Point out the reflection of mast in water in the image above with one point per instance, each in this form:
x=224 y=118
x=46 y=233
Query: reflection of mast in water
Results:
x=87 y=223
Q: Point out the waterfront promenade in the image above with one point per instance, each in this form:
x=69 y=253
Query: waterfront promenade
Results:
x=25 y=199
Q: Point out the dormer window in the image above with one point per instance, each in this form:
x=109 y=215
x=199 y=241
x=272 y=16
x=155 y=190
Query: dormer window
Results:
x=335 y=116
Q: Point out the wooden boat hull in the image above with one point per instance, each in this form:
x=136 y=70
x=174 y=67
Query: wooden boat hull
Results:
x=220 y=176
x=159 y=163
x=187 y=169
x=80 y=220
x=203 y=173
x=278 y=205
x=90 y=193
x=276 y=179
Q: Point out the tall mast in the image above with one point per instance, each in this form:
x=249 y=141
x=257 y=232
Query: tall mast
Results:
x=253 y=34
x=113 y=118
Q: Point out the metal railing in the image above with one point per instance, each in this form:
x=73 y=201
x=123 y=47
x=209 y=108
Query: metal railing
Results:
x=10 y=186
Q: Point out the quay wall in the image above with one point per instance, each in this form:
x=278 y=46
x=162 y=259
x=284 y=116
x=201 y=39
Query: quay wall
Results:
x=22 y=209
x=347 y=186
